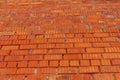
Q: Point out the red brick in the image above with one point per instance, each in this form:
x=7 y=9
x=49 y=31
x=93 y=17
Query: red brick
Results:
x=10 y=47
x=103 y=77
x=4 y=52
x=46 y=70
x=64 y=63
x=92 y=56
x=74 y=63
x=25 y=71
x=110 y=39
x=88 y=69
x=112 y=49
x=13 y=37
x=56 y=40
x=101 y=44
x=3 y=64
x=46 y=46
x=64 y=46
x=20 y=42
x=58 y=36
x=8 y=71
x=101 y=35
x=76 y=50
x=22 y=64
x=109 y=69
x=80 y=77
x=88 y=35
x=13 y=58
x=33 y=57
x=75 y=40
x=95 y=62
x=84 y=63
x=19 y=52
x=54 y=64
x=18 y=77
x=35 y=77
x=117 y=76
x=43 y=64
x=1 y=58
x=115 y=62
x=73 y=56
x=59 y=51
x=94 y=50
x=92 y=40
x=36 y=41
x=39 y=51
x=111 y=55
x=105 y=62
x=12 y=64
x=22 y=37
x=69 y=35
x=78 y=35
x=82 y=45
x=53 y=57
x=33 y=64
x=28 y=46
x=6 y=42
x=115 y=44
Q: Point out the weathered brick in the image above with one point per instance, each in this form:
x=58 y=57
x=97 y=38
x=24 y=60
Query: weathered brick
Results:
x=115 y=62
x=25 y=71
x=64 y=63
x=22 y=64
x=54 y=64
x=84 y=62
x=104 y=76
x=109 y=69
x=12 y=64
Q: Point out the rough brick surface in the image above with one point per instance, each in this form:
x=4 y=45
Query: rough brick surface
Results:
x=59 y=39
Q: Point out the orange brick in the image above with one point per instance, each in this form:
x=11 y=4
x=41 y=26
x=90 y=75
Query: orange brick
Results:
x=101 y=44
x=94 y=50
x=101 y=35
x=13 y=58
x=88 y=35
x=60 y=51
x=115 y=44
x=8 y=71
x=110 y=69
x=5 y=42
x=70 y=35
x=28 y=46
x=10 y=47
x=81 y=45
x=19 y=52
x=112 y=49
x=88 y=69
x=54 y=63
x=12 y=64
x=111 y=55
x=46 y=70
x=25 y=71
x=53 y=57
x=20 y=42
x=1 y=58
x=117 y=76
x=78 y=35
x=92 y=56
x=39 y=51
x=33 y=57
x=80 y=77
x=64 y=63
x=73 y=56
x=64 y=45
x=43 y=64
x=76 y=50
x=110 y=39
x=84 y=63
x=3 y=64
x=33 y=64
x=18 y=77
x=92 y=40
x=4 y=52
x=74 y=40
x=36 y=41
x=95 y=62
x=22 y=64
x=105 y=62
x=22 y=37
x=103 y=76
x=74 y=63
x=56 y=40
x=46 y=46
x=116 y=62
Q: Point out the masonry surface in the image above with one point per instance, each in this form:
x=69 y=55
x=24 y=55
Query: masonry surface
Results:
x=59 y=40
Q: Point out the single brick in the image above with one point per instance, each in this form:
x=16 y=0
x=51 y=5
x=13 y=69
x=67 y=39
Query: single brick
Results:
x=43 y=64
x=115 y=62
x=54 y=64
x=3 y=64
x=70 y=35
x=88 y=69
x=101 y=34
x=92 y=40
x=22 y=36
x=25 y=71
x=46 y=70
x=19 y=52
x=12 y=64
x=4 y=52
x=18 y=77
x=94 y=50
x=64 y=63
x=36 y=41
x=117 y=76
x=56 y=40
x=105 y=62
x=53 y=57
x=22 y=64
x=95 y=62
x=33 y=64
x=105 y=76
x=10 y=47
x=60 y=51
x=80 y=77
x=20 y=42
x=39 y=51
x=13 y=58
x=8 y=71
x=84 y=62
x=111 y=55
x=64 y=46
x=28 y=46
x=110 y=39
x=33 y=57
x=112 y=49
x=101 y=44
x=92 y=56
x=73 y=56
x=74 y=63
x=109 y=69
x=76 y=50
x=82 y=45
x=46 y=46
x=75 y=40
x=6 y=42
